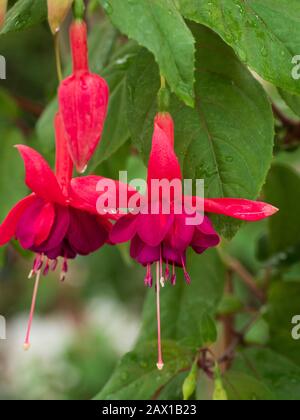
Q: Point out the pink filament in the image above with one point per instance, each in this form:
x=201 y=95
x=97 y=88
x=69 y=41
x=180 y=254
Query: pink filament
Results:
x=186 y=274
x=35 y=291
x=160 y=363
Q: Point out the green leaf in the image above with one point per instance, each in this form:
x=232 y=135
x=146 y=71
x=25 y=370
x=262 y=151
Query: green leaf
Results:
x=187 y=311
x=293 y=101
x=12 y=186
x=229 y=305
x=158 y=26
x=259 y=333
x=173 y=389
x=242 y=387
x=283 y=305
x=9 y=110
x=116 y=130
x=25 y=14
x=137 y=376
x=227 y=140
x=45 y=127
x=263 y=33
x=277 y=373
x=282 y=188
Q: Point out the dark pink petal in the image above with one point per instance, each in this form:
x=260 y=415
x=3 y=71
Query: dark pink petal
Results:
x=86 y=234
x=163 y=162
x=58 y=231
x=180 y=235
x=199 y=250
x=206 y=227
x=143 y=253
x=251 y=211
x=64 y=250
x=8 y=227
x=39 y=176
x=173 y=255
x=153 y=228
x=124 y=229
x=26 y=229
x=205 y=236
x=44 y=223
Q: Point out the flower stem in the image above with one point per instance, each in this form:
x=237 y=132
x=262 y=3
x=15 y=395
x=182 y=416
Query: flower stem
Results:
x=57 y=57
x=35 y=292
x=79 y=9
x=163 y=96
x=160 y=363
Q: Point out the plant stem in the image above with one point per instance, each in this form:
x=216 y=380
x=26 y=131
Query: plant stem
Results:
x=244 y=274
x=79 y=9
x=57 y=57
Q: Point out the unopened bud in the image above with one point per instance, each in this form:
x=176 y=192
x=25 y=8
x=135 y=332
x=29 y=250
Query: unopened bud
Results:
x=219 y=391
x=57 y=12
x=190 y=382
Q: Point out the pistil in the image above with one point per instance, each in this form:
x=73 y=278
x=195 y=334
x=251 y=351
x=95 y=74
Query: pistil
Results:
x=32 y=310
x=160 y=363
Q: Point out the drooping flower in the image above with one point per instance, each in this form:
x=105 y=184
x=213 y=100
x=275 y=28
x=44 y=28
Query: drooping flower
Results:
x=164 y=237
x=83 y=101
x=59 y=218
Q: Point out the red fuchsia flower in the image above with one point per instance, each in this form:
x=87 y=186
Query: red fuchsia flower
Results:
x=164 y=238
x=59 y=218
x=83 y=101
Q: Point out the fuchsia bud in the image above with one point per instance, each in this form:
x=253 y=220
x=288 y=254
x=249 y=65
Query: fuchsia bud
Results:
x=83 y=100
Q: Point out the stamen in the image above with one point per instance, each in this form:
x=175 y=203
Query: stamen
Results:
x=65 y=270
x=160 y=363
x=38 y=263
x=167 y=272
x=35 y=292
x=47 y=268
x=186 y=274
x=148 y=279
x=173 y=278
x=54 y=265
